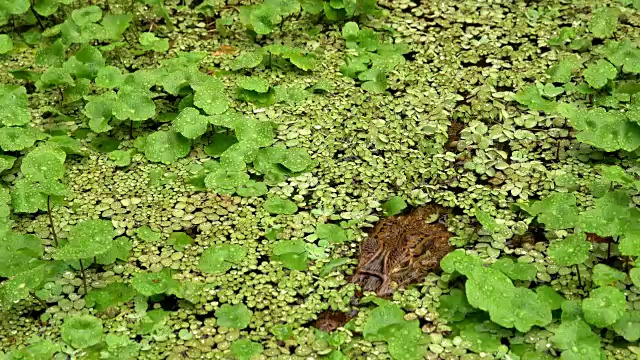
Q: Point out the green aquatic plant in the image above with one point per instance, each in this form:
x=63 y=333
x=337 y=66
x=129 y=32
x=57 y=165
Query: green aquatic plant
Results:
x=386 y=323
x=220 y=258
x=276 y=205
x=245 y=349
x=394 y=206
x=291 y=253
x=369 y=59
x=81 y=331
x=234 y=316
x=86 y=240
x=150 y=42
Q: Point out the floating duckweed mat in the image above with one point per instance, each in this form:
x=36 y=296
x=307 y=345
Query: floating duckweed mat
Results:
x=194 y=179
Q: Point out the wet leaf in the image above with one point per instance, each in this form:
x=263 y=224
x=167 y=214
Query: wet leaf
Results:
x=220 y=258
x=81 y=331
x=233 y=316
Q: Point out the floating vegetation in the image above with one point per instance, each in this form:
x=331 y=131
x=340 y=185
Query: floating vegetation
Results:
x=296 y=179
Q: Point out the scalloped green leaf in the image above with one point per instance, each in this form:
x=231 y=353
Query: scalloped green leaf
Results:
x=604 y=306
x=81 y=331
x=220 y=258
x=604 y=22
x=87 y=239
x=190 y=123
x=598 y=75
x=166 y=146
x=276 y=205
x=233 y=316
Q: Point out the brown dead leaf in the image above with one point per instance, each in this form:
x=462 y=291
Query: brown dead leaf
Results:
x=225 y=50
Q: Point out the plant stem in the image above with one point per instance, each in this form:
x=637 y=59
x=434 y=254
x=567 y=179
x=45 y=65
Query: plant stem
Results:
x=53 y=229
x=37 y=18
x=579 y=279
x=61 y=97
x=42 y=302
x=84 y=277
x=131 y=129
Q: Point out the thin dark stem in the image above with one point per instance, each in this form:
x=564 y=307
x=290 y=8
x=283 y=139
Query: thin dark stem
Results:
x=37 y=18
x=42 y=302
x=53 y=229
x=609 y=248
x=579 y=279
x=84 y=277
x=125 y=39
x=61 y=96
x=131 y=129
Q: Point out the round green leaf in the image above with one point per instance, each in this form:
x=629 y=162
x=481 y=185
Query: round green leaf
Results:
x=234 y=316
x=109 y=77
x=394 y=206
x=180 y=240
x=26 y=197
x=219 y=258
x=112 y=295
x=252 y=188
x=297 y=159
x=16 y=7
x=597 y=75
x=87 y=239
x=331 y=232
x=44 y=164
x=134 y=105
x=247 y=60
x=6 y=44
x=81 y=331
x=153 y=283
x=255 y=132
x=572 y=250
x=166 y=146
x=628 y=326
x=604 y=275
x=556 y=211
x=604 y=21
x=86 y=15
x=210 y=96
x=149 y=41
x=254 y=83
x=120 y=157
x=147 y=234
x=245 y=349
x=17 y=138
x=277 y=205
x=574 y=336
x=634 y=274
x=630 y=243
x=190 y=123
x=226 y=180
x=604 y=306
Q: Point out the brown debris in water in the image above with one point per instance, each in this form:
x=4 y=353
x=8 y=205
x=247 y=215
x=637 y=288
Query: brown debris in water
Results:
x=402 y=249
x=330 y=320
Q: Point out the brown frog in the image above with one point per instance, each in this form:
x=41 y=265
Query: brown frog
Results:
x=402 y=249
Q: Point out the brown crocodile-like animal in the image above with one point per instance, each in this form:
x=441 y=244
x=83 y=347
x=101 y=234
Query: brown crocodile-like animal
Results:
x=402 y=249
